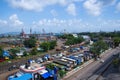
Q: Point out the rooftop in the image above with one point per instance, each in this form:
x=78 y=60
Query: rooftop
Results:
x=33 y=67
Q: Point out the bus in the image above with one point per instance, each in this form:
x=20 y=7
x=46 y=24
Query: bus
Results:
x=72 y=60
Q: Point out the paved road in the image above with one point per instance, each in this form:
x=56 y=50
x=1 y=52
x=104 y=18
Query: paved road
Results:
x=112 y=73
x=91 y=71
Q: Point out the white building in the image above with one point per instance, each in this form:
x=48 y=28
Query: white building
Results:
x=75 y=35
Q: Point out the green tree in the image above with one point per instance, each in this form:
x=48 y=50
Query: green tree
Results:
x=98 y=47
x=52 y=44
x=116 y=41
x=25 y=53
x=66 y=36
x=30 y=42
x=73 y=40
x=100 y=38
x=69 y=42
x=48 y=45
x=15 y=50
x=45 y=46
x=62 y=73
x=50 y=66
x=34 y=51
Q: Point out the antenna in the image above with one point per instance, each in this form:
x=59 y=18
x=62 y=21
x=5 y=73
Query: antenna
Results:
x=43 y=31
x=30 y=31
x=64 y=31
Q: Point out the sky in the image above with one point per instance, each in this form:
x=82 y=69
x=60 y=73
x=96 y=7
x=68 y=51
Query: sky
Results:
x=59 y=15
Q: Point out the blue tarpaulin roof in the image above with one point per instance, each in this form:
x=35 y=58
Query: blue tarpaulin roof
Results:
x=46 y=75
x=6 y=54
x=47 y=55
x=26 y=76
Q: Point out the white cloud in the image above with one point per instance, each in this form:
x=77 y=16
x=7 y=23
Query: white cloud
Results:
x=118 y=6
x=71 y=9
x=57 y=25
x=57 y=22
x=63 y=2
x=3 y=22
x=38 y=5
x=12 y=24
x=75 y=25
x=14 y=21
x=54 y=13
x=93 y=7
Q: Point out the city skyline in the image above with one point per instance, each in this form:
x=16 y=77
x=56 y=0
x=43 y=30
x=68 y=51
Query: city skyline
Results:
x=58 y=15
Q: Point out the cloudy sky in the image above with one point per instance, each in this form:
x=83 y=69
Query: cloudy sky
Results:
x=59 y=15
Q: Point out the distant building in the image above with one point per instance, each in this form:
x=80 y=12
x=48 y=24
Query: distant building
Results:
x=22 y=34
x=86 y=37
x=75 y=35
x=39 y=37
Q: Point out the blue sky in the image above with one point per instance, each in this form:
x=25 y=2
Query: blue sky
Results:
x=59 y=15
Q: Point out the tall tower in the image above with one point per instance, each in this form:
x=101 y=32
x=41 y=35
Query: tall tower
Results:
x=43 y=31
x=64 y=31
x=30 y=31
x=22 y=34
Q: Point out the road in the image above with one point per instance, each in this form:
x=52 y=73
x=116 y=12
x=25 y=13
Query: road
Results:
x=112 y=73
x=92 y=71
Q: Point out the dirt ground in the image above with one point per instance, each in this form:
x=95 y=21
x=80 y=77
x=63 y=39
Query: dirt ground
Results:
x=6 y=74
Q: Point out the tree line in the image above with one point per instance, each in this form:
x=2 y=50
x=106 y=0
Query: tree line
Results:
x=71 y=40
